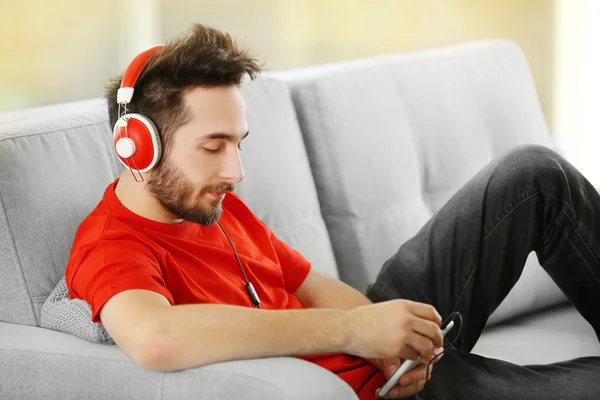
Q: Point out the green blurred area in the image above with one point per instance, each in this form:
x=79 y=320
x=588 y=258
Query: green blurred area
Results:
x=64 y=50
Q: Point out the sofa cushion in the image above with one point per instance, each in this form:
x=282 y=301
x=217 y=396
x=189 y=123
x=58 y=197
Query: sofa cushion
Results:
x=56 y=161
x=391 y=139
x=54 y=167
x=469 y=104
x=552 y=335
x=366 y=167
x=278 y=185
x=37 y=363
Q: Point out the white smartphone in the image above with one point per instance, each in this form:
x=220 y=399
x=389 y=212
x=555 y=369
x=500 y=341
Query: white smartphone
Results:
x=406 y=366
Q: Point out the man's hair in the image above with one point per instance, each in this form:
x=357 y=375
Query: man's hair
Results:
x=204 y=58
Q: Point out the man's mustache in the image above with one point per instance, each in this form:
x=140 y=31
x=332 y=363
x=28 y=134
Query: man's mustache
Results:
x=226 y=187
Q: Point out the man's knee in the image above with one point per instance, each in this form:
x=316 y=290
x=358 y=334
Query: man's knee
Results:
x=532 y=165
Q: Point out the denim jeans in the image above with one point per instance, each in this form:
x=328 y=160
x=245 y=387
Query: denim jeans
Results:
x=470 y=254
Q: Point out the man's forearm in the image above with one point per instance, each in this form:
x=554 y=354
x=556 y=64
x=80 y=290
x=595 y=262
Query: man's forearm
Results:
x=198 y=334
x=333 y=293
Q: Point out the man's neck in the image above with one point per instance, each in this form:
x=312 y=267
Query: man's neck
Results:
x=133 y=196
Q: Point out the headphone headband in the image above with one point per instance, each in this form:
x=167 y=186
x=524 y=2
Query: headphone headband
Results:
x=132 y=73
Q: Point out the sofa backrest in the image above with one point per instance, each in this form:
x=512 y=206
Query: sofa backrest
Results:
x=344 y=162
x=391 y=139
x=278 y=185
x=56 y=161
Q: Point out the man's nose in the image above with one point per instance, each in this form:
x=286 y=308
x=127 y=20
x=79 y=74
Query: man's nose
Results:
x=233 y=170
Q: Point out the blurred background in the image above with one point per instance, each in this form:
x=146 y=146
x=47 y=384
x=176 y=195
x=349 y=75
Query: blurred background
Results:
x=65 y=50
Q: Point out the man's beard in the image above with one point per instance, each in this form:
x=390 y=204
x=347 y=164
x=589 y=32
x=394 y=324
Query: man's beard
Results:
x=168 y=185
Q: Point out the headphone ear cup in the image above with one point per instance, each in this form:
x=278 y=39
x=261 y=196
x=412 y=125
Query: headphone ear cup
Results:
x=137 y=142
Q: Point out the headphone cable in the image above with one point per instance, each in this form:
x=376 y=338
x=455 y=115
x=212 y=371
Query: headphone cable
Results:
x=249 y=287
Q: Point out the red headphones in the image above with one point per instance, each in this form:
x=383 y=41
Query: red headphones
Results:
x=135 y=137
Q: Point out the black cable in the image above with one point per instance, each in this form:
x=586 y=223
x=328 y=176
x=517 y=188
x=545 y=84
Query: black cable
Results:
x=450 y=318
x=249 y=287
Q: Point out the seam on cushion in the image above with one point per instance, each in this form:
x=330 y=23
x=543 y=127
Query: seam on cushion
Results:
x=254 y=378
x=38 y=133
x=114 y=170
x=2 y=349
x=16 y=255
x=317 y=95
x=162 y=386
x=403 y=98
x=135 y=365
x=299 y=222
x=383 y=213
x=398 y=87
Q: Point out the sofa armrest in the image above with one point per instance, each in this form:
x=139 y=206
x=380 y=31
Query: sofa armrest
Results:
x=37 y=363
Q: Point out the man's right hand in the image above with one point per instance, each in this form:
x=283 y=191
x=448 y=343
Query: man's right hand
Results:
x=395 y=328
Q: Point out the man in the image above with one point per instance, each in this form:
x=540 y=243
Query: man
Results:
x=169 y=258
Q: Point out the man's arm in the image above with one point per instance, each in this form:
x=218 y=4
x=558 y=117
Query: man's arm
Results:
x=321 y=291
x=162 y=337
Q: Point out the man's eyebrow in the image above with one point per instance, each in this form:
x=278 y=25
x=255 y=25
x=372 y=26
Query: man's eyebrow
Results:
x=221 y=135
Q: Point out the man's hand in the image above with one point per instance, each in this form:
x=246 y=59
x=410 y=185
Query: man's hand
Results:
x=395 y=328
x=410 y=383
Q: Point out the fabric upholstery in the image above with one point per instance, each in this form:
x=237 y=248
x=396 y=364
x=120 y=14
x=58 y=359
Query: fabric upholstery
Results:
x=72 y=316
x=366 y=167
x=53 y=171
x=278 y=185
x=40 y=364
x=552 y=335
x=384 y=142
x=390 y=139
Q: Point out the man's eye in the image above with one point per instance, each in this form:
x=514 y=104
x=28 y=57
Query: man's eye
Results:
x=213 y=151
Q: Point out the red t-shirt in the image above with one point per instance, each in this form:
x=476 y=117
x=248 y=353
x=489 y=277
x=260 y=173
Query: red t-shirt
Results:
x=116 y=250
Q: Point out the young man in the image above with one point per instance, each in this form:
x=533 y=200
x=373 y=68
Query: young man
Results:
x=156 y=258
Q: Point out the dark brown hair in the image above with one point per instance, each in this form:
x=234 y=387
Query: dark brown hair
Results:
x=204 y=58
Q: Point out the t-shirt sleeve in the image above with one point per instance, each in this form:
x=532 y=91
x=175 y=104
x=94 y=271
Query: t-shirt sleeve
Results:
x=113 y=266
x=293 y=264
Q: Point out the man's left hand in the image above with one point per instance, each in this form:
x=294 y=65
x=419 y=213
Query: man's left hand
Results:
x=410 y=383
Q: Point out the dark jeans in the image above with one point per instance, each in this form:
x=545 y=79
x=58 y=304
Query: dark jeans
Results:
x=471 y=253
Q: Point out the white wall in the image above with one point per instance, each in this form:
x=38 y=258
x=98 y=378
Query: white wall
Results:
x=577 y=84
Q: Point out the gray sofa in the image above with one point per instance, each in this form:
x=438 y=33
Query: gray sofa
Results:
x=344 y=162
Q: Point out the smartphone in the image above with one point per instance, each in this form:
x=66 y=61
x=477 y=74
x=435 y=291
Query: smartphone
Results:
x=406 y=366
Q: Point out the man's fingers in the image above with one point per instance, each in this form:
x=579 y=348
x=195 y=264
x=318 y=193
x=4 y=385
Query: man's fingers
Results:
x=410 y=383
x=430 y=330
x=414 y=376
x=403 y=391
x=390 y=366
x=423 y=345
x=425 y=311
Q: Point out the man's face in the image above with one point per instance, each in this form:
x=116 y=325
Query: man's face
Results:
x=204 y=161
